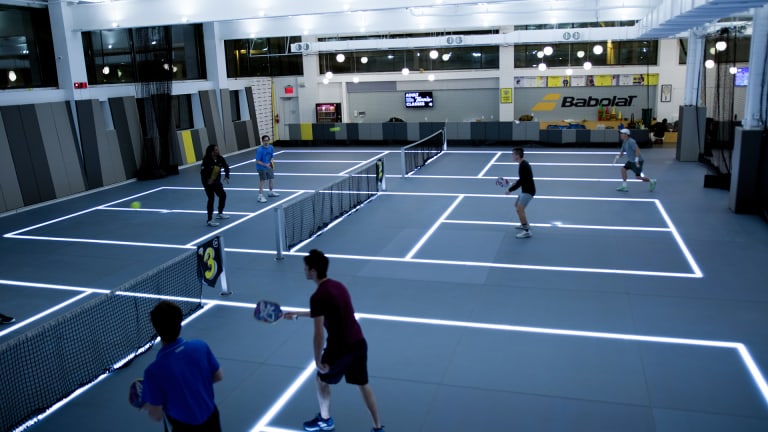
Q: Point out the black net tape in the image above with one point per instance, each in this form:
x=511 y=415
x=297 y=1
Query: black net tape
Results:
x=45 y=365
x=416 y=155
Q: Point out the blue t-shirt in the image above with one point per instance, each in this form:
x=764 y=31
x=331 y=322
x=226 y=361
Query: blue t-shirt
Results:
x=629 y=147
x=265 y=155
x=181 y=381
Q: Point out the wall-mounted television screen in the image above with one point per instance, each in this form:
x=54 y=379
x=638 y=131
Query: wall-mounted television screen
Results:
x=742 y=77
x=419 y=99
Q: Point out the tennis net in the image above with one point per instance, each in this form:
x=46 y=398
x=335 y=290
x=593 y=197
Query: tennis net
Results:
x=302 y=218
x=416 y=155
x=47 y=364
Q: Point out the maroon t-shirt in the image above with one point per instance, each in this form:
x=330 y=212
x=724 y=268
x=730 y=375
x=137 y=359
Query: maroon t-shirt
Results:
x=331 y=300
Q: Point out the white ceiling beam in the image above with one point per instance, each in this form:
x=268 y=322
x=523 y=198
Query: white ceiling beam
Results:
x=672 y=17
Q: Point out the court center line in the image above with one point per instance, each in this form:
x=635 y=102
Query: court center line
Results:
x=433 y=228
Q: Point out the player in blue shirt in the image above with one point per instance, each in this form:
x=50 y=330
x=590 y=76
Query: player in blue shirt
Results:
x=180 y=381
x=265 y=167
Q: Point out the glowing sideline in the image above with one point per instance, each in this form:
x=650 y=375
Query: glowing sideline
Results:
x=680 y=243
x=44 y=313
x=433 y=228
x=489 y=165
x=283 y=399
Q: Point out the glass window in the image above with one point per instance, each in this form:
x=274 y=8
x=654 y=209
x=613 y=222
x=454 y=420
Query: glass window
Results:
x=614 y=53
x=455 y=58
x=262 y=57
x=110 y=55
x=26 y=48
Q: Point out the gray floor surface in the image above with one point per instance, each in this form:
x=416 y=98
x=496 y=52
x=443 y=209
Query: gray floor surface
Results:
x=639 y=311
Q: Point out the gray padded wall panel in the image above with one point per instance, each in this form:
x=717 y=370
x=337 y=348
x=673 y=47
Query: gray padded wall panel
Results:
x=36 y=149
x=69 y=146
x=63 y=163
x=210 y=108
x=412 y=134
x=88 y=141
x=230 y=144
x=112 y=170
x=252 y=114
x=10 y=192
x=200 y=140
x=125 y=117
x=244 y=134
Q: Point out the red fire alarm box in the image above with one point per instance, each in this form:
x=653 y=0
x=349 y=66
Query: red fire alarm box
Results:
x=81 y=85
x=289 y=91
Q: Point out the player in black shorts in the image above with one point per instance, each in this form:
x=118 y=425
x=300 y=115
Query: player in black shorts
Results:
x=344 y=352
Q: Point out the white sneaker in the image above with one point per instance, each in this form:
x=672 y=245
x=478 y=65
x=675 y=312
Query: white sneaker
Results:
x=524 y=234
x=222 y=216
x=273 y=194
x=212 y=223
x=261 y=199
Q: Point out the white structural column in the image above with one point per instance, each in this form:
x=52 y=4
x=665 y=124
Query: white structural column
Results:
x=308 y=84
x=693 y=64
x=757 y=89
x=507 y=78
x=68 y=48
x=215 y=59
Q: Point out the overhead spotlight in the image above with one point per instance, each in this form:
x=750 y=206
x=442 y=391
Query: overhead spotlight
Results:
x=548 y=50
x=434 y=54
x=542 y=67
x=721 y=45
x=326 y=81
x=580 y=54
x=431 y=77
x=540 y=54
x=355 y=79
x=115 y=24
x=328 y=75
x=446 y=56
x=405 y=71
x=166 y=66
x=712 y=50
x=732 y=70
x=709 y=64
x=587 y=65
x=569 y=71
x=105 y=70
x=363 y=60
x=11 y=76
x=175 y=69
x=597 y=49
x=340 y=58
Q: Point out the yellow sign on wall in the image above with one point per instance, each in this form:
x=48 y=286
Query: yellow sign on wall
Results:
x=505 y=95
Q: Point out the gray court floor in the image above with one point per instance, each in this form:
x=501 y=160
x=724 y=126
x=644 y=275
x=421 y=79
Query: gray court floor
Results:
x=639 y=311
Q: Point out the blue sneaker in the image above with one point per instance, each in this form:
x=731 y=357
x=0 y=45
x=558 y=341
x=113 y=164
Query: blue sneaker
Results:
x=381 y=429
x=319 y=424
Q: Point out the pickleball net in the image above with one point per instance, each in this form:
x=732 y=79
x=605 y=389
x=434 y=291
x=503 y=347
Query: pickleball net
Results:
x=305 y=216
x=45 y=365
x=418 y=154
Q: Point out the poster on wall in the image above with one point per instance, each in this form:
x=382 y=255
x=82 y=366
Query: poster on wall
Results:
x=558 y=81
x=505 y=95
x=603 y=80
x=578 y=80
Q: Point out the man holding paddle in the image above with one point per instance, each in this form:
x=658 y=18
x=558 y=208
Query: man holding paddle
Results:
x=179 y=383
x=344 y=353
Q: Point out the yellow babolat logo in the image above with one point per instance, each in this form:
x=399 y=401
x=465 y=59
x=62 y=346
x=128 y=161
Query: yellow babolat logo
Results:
x=548 y=102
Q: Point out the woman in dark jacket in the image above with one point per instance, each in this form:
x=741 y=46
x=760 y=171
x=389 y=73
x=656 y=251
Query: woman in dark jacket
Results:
x=210 y=175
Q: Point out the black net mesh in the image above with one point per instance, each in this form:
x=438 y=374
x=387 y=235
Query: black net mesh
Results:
x=154 y=83
x=718 y=91
x=416 y=155
x=308 y=215
x=43 y=366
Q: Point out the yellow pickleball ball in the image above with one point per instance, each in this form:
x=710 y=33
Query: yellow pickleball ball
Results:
x=136 y=205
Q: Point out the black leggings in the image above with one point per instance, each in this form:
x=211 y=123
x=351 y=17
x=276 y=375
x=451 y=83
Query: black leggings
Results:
x=218 y=190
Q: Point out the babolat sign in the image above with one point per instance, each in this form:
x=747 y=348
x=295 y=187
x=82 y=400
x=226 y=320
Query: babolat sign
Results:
x=582 y=103
x=615 y=101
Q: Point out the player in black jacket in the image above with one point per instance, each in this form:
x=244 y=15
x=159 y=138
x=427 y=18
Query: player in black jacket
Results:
x=210 y=175
x=524 y=181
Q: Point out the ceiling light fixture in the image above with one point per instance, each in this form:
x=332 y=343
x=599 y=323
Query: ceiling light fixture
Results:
x=340 y=58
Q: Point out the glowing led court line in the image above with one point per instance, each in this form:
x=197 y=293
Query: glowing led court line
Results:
x=434 y=227
x=284 y=398
x=489 y=165
x=239 y=221
x=679 y=239
x=536 y=152
x=740 y=348
x=42 y=314
x=55 y=407
x=573 y=179
x=566 y=164
x=559 y=225
x=379 y=156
